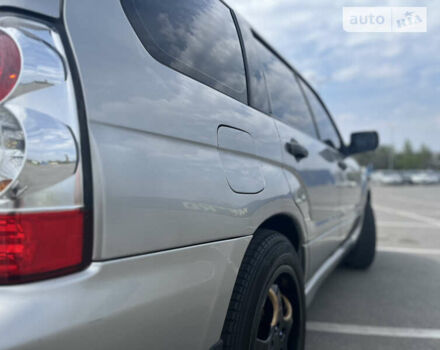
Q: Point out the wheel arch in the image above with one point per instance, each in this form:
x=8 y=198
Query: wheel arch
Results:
x=291 y=228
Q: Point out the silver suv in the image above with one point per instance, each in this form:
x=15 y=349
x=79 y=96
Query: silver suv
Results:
x=167 y=180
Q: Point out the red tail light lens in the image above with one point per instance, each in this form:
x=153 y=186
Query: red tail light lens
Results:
x=10 y=64
x=32 y=245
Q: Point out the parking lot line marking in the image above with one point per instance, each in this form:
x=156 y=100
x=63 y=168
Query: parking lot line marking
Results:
x=404 y=224
x=409 y=215
x=393 y=332
x=417 y=251
x=411 y=200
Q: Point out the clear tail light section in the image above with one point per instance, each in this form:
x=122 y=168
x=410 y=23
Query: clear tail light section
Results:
x=43 y=214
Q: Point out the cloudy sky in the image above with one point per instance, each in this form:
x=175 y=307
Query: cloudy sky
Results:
x=384 y=81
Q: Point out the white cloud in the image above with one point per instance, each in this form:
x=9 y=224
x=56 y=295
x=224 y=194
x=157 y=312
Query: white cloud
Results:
x=346 y=74
x=357 y=72
x=384 y=71
x=313 y=77
x=393 y=50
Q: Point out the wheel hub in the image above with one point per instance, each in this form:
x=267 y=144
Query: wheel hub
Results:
x=281 y=321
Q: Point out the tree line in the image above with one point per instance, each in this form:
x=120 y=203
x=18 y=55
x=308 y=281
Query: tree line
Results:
x=387 y=157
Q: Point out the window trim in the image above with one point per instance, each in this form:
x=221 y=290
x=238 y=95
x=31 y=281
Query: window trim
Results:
x=296 y=77
x=243 y=26
x=309 y=106
x=269 y=97
x=243 y=54
x=341 y=141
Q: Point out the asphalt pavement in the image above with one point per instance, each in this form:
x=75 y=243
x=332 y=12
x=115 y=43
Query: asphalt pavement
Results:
x=396 y=303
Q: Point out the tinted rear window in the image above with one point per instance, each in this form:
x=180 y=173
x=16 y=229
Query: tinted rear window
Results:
x=196 y=37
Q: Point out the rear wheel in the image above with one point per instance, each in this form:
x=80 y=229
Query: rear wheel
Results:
x=267 y=308
x=363 y=253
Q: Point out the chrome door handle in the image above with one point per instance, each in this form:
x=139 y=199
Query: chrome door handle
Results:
x=296 y=150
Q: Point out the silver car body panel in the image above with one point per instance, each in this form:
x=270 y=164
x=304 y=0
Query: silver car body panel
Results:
x=330 y=264
x=320 y=176
x=161 y=182
x=131 y=303
x=242 y=173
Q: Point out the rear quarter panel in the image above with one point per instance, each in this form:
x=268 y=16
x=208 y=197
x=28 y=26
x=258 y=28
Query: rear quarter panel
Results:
x=158 y=177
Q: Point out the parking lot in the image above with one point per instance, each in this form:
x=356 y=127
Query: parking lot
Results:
x=395 y=304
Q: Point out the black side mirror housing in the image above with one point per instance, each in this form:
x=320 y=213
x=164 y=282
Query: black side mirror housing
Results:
x=362 y=142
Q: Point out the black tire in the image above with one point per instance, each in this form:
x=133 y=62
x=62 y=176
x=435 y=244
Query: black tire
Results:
x=363 y=253
x=270 y=262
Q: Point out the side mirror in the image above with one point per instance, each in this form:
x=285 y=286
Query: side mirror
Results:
x=362 y=142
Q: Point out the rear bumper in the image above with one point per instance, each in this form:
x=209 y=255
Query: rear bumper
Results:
x=168 y=300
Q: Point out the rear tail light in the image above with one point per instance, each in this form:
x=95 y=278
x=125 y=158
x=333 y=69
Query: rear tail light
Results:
x=12 y=150
x=43 y=216
x=34 y=244
x=10 y=64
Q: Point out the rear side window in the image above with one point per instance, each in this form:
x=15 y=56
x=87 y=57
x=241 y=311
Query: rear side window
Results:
x=195 y=37
x=326 y=128
x=287 y=100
